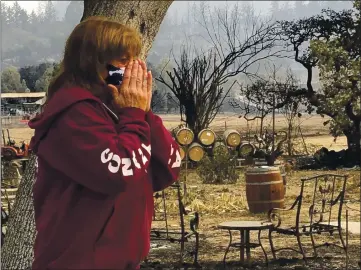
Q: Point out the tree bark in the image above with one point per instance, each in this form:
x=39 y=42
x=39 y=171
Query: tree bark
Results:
x=353 y=136
x=289 y=138
x=17 y=252
x=146 y=17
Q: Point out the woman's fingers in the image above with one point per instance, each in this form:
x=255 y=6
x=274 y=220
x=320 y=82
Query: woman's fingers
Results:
x=127 y=75
x=140 y=77
x=148 y=87
x=145 y=75
x=134 y=76
x=144 y=66
x=149 y=81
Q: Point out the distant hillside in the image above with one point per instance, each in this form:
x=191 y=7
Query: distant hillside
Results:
x=28 y=39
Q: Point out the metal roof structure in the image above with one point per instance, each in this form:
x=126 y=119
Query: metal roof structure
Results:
x=23 y=95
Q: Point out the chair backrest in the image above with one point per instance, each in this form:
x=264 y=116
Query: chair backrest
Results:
x=161 y=208
x=327 y=197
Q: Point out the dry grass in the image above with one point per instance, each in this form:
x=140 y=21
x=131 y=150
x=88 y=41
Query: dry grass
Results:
x=219 y=203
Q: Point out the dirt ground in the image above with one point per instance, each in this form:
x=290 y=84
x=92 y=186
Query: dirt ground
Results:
x=219 y=203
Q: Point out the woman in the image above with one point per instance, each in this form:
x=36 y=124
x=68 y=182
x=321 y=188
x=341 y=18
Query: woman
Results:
x=98 y=147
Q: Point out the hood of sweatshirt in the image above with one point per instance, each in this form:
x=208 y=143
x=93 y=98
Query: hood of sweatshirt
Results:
x=60 y=102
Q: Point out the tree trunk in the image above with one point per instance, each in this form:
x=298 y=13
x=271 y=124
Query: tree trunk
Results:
x=146 y=16
x=353 y=136
x=17 y=252
x=191 y=117
x=289 y=138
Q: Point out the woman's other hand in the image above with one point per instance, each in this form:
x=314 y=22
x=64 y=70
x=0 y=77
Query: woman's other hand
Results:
x=149 y=85
x=133 y=92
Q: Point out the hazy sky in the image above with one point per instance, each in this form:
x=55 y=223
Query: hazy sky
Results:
x=28 y=5
x=261 y=6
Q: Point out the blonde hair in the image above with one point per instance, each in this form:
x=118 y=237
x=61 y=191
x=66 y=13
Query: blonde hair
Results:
x=93 y=43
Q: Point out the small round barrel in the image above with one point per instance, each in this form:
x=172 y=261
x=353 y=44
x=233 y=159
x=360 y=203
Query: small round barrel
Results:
x=264 y=189
x=195 y=152
x=206 y=137
x=246 y=149
x=232 y=137
x=184 y=136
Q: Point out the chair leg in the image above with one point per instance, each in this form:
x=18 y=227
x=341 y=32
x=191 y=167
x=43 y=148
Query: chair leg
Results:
x=301 y=247
x=260 y=242
x=195 y=262
x=227 y=249
x=271 y=243
x=313 y=244
x=341 y=239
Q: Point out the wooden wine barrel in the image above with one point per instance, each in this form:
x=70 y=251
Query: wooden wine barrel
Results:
x=245 y=149
x=206 y=137
x=264 y=189
x=277 y=163
x=195 y=152
x=182 y=152
x=232 y=137
x=184 y=136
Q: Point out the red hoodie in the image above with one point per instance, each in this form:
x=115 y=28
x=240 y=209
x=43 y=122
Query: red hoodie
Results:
x=97 y=171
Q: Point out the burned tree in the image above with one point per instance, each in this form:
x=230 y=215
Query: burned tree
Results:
x=262 y=97
x=158 y=102
x=291 y=112
x=201 y=83
x=265 y=95
x=254 y=100
x=146 y=16
x=197 y=87
x=334 y=39
x=267 y=149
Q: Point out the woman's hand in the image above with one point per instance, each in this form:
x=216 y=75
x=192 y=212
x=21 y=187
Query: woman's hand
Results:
x=133 y=92
x=149 y=79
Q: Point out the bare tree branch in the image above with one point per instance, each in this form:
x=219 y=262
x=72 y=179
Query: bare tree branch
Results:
x=198 y=82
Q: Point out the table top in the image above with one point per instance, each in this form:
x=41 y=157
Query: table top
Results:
x=245 y=225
